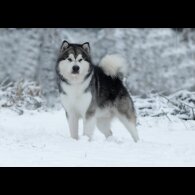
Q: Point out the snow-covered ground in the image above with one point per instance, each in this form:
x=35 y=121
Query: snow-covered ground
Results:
x=42 y=139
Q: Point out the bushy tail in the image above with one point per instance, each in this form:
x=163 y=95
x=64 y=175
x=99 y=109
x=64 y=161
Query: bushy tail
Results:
x=114 y=65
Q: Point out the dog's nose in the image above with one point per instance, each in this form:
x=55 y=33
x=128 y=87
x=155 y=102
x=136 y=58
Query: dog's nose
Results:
x=75 y=68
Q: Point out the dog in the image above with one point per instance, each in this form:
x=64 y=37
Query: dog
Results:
x=94 y=93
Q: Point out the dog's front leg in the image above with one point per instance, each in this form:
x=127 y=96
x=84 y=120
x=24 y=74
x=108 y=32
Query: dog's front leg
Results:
x=73 y=126
x=89 y=126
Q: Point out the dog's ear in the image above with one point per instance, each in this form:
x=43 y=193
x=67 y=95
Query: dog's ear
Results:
x=86 y=47
x=64 y=46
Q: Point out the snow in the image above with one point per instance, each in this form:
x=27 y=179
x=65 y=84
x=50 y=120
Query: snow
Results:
x=34 y=131
x=40 y=138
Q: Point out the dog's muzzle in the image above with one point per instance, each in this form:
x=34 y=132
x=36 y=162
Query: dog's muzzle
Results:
x=75 y=69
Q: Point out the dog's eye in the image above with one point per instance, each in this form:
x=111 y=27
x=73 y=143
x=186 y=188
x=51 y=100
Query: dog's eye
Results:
x=69 y=59
x=80 y=60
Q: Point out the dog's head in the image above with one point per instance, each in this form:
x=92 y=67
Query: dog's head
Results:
x=74 y=61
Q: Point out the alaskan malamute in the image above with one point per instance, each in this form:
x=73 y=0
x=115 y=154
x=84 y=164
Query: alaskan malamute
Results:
x=94 y=93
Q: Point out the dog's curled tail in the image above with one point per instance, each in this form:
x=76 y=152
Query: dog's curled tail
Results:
x=114 y=65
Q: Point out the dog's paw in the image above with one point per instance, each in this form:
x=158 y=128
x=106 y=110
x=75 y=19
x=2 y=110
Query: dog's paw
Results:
x=86 y=138
x=114 y=139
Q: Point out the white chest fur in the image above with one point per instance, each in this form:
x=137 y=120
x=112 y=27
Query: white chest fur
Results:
x=76 y=101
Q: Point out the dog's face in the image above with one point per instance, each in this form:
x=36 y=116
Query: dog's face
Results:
x=74 y=61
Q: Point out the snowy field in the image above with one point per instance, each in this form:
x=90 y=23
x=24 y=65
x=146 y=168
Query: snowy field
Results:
x=42 y=139
x=34 y=130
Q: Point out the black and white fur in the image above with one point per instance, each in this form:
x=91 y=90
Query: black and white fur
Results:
x=94 y=93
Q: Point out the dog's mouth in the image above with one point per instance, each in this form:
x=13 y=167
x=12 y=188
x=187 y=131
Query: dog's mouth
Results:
x=75 y=72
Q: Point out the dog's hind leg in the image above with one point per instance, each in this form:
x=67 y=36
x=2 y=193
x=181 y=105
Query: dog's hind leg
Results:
x=126 y=114
x=103 y=124
x=130 y=125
